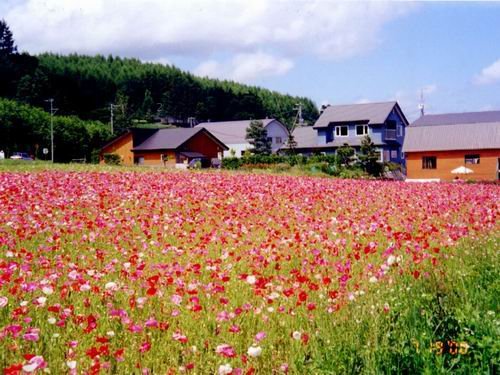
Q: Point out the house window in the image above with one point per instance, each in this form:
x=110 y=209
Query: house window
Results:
x=278 y=140
x=385 y=156
x=400 y=130
x=342 y=131
x=361 y=130
x=394 y=154
x=270 y=139
x=472 y=159
x=429 y=162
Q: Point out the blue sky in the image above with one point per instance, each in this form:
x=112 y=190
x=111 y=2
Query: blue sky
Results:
x=333 y=52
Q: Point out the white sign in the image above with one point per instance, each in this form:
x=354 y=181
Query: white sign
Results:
x=45 y=151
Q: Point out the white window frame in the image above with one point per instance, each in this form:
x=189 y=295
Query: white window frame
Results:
x=399 y=128
x=366 y=130
x=338 y=132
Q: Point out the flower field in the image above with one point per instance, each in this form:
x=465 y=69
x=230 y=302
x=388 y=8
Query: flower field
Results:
x=214 y=273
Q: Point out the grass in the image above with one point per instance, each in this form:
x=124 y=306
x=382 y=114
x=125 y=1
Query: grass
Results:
x=444 y=323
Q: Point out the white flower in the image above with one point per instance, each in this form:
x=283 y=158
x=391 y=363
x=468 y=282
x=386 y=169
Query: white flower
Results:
x=84 y=287
x=373 y=279
x=71 y=364
x=251 y=279
x=41 y=301
x=296 y=335
x=3 y=301
x=111 y=286
x=52 y=320
x=254 y=351
x=110 y=333
x=47 y=290
x=225 y=369
x=391 y=260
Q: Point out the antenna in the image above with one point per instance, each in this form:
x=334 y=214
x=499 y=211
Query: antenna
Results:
x=421 y=105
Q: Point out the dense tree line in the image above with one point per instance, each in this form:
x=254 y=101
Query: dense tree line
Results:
x=86 y=86
x=26 y=128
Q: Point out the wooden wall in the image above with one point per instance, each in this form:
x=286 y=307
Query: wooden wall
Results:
x=121 y=146
x=446 y=161
x=153 y=158
x=203 y=144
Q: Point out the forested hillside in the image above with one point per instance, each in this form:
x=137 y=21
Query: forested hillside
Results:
x=86 y=85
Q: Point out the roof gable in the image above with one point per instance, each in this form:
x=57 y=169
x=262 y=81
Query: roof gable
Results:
x=233 y=132
x=371 y=113
x=171 y=139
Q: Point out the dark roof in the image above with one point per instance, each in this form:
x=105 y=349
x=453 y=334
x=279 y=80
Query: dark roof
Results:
x=190 y=154
x=458 y=118
x=471 y=136
x=170 y=139
x=371 y=113
x=231 y=132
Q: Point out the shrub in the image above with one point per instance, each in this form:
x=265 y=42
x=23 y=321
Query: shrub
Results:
x=231 y=163
x=112 y=159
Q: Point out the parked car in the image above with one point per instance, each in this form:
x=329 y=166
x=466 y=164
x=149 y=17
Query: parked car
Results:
x=21 y=156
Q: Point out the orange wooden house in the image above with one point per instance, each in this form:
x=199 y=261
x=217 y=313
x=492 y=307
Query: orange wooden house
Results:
x=436 y=146
x=165 y=147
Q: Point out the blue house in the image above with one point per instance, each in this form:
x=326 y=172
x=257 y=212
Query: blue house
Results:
x=384 y=122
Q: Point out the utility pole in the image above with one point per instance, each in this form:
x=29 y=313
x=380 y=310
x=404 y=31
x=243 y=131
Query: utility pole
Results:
x=52 y=112
x=112 y=108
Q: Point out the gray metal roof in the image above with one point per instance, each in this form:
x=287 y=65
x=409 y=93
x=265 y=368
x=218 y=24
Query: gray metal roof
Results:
x=471 y=136
x=306 y=137
x=458 y=118
x=231 y=132
x=167 y=139
x=371 y=113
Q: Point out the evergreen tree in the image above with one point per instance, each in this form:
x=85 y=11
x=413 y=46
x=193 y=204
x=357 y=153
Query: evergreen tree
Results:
x=257 y=137
x=345 y=154
x=369 y=157
x=147 y=106
x=7 y=46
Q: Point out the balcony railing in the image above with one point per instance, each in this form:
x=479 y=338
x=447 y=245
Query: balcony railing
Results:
x=390 y=134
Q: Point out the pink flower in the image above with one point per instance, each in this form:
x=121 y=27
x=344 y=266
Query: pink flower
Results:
x=145 y=346
x=35 y=363
x=226 y=350
x=260 y=336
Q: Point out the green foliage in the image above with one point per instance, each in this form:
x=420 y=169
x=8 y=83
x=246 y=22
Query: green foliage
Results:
x=86 y=85
x=369 y=157
x=457 y=307
x=231 y=163
x=345 y=154
x=257 y=136
x=26 y=128
x=7 y=46
x=112 y=159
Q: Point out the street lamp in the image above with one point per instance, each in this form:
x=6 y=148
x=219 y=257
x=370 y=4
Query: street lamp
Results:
x=52 y=112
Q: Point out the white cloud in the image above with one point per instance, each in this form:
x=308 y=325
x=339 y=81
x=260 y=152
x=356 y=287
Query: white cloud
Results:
x=160 y=29
x=245 y=67
x=489 y=75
